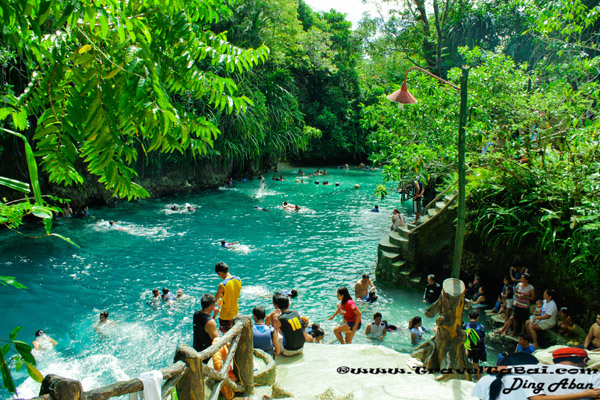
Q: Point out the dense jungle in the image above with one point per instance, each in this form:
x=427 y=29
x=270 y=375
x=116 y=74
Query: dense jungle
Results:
x=105 y=100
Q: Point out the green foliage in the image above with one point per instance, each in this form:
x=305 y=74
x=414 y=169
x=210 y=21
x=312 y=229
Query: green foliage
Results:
x=105 y=80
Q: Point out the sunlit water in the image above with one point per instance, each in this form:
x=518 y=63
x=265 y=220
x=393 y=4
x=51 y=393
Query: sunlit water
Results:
x=330 y=243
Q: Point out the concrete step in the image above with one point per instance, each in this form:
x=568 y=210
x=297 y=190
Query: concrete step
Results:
x=403 y=231
x=397 y=239
x=385 y=245
x=400 y=265
x=393 y=257
x=439 y=205
x=448 y=197
x=415 y=281
x=432 y=212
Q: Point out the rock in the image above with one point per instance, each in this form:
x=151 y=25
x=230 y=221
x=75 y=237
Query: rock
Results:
x=279 y=393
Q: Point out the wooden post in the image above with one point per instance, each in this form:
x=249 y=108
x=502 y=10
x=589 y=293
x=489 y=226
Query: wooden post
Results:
x=447 y=349
x=61 y=388
x=244 y=357
x=191 y=385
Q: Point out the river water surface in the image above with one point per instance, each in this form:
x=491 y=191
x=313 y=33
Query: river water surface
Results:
x=330 y=243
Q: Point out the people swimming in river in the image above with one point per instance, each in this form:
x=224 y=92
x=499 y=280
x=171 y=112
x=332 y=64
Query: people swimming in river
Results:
x=257 y=208
x=362 y=287
x=104 y=322
x=378 y=328
x=292 y=294
x=175 y=207
x=375 y=209
x=416 y=330
x=226 y=245
x=296 y=208
x=167 y=296
x=156 y=298
x=182 y=296
x=288 y=206
x=43 y=341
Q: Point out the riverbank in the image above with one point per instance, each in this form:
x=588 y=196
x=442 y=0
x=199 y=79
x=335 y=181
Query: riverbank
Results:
x=329 y=372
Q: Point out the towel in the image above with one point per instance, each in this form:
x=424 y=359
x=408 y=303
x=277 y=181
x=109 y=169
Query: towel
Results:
x=152 y=382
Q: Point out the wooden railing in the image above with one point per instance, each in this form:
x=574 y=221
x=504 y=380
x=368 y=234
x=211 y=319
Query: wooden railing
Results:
x=187 y=373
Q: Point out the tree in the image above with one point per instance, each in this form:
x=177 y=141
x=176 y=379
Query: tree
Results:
x=106 y=81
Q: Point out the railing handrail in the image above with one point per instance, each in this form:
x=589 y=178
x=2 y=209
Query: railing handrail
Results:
x=439 y=196
x=432 y=202
x=187 y=362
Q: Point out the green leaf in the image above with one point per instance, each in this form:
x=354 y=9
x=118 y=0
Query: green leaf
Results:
x=7 y=379
x=5 y=349
x=34 y=373
x=66 y=239
x=41 y=212
x=10 y=280
x=14 y=184
x=13 y=334
x=24 y=350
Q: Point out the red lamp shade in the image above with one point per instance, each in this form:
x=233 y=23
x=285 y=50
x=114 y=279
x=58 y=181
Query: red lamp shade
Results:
x=402 y=96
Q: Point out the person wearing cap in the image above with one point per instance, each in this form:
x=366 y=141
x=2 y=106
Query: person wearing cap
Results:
x=568 y=374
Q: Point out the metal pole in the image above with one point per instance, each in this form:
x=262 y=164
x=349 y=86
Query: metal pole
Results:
x=460 y=225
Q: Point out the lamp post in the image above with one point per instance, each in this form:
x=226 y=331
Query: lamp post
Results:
x=403 y=96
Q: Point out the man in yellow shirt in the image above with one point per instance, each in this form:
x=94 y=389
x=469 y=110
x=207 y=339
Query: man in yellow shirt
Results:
x=227 y=296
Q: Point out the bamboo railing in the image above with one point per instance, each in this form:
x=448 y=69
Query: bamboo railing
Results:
x=187 y=373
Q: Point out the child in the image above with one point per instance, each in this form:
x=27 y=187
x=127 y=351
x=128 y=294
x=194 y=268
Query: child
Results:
x=538 y=309
x=264 y=336
x=524 y=345
x=470 y=291
x=498 y=306
x=475 y=343
x=508 y=296
x=416 y=330
x=377 y=328
x=316 y=334
x=567 y=325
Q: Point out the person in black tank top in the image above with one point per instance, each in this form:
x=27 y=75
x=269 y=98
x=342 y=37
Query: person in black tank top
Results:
x=205 y=328
x=291 y=327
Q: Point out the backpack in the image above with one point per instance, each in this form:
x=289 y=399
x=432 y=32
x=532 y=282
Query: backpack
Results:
x=475 y=336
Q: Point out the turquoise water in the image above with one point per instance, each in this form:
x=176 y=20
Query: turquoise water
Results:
x=330 y=243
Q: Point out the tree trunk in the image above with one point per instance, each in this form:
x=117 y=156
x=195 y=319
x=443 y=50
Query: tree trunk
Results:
x=446 y=351
x=429 y=50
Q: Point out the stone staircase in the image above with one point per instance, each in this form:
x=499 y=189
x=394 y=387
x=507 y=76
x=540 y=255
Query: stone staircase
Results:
x=398 y=252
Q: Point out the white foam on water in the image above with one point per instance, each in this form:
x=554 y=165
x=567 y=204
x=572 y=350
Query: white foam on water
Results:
x=256 y=291
x=156 y=233
x=241 y=248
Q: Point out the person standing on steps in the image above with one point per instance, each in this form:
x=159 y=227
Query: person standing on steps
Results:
x=419 y=190
x=432 y=290
x=227 y=297
x=205 y=328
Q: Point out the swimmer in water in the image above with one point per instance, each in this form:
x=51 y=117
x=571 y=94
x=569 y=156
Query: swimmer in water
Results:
x=288 y=206
x=226 y=245
x=257 y=208
x=156 y=299
x=104 y=322
x=43 y=341
x=296 y=208
x=175 y=207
